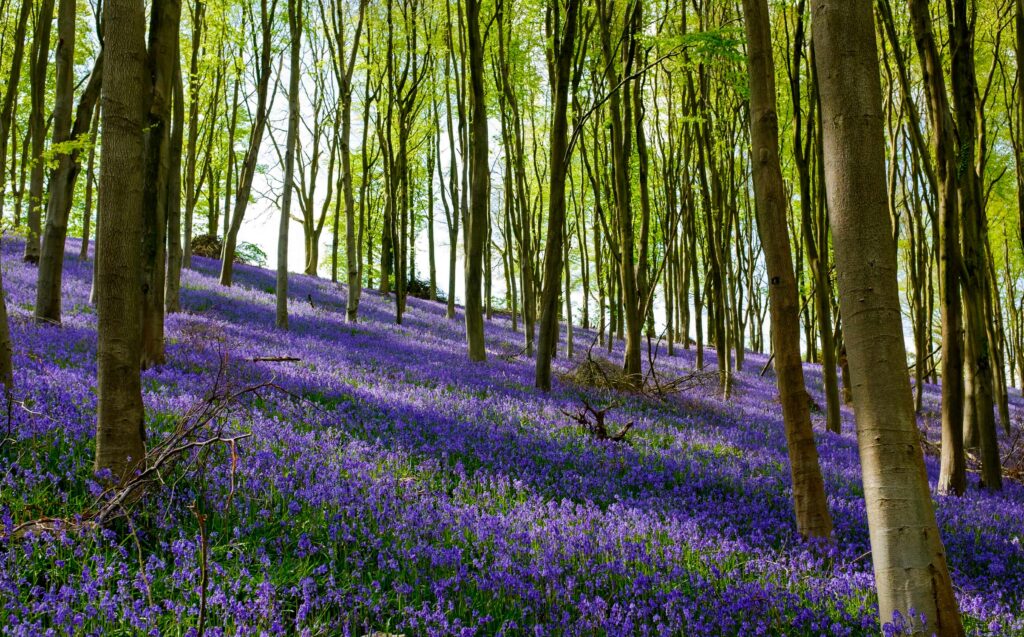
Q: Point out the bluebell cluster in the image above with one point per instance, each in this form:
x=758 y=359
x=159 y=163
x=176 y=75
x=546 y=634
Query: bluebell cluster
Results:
x=395 y=487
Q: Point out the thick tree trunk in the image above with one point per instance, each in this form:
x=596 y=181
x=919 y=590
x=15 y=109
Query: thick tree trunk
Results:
x=907 y=554
x=120 y=429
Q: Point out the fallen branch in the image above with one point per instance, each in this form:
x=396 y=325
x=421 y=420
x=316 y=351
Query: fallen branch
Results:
x=275 y=359
x=197 y=430
x=593 y=421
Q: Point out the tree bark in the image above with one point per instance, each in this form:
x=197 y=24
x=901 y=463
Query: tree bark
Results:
x=479 y=187
x=37 y=126
x=907 y=554
x=809 y=501
x=125 y=93
x=248 y=168
x=294 y=70
x=162 y=53
x=563 y=42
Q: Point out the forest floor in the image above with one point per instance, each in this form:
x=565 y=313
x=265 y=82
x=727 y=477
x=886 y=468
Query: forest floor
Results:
x=385 y=483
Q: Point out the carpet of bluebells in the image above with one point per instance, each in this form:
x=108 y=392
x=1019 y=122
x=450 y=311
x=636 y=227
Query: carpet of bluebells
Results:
x=389 y=485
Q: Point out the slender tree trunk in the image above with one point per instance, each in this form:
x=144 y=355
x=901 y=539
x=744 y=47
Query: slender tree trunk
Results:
x=7 y=124
x=431 y=250
x=6 y=346
x=172 y=285
x=90 y=180
x=907 y=554
x=563 y=44
x=37 y=125
x=621 y=115
x=163 y=51
x=974 y=231
x=480 y=178
x=194 y=81
x=1018 y=22
x=248 y=168
x=294 y=70
x=810 y=504
x=952 y=474
x=62 y=178
x=818 y=264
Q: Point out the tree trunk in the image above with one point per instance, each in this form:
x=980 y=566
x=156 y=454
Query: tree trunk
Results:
x=974 y=230
x=7 y=123
x=125 y=93
x=90 y=180
x=810 y=504
x=563 y=47
x=172 y=285
x=907 y=554
x=163 y=51
x=952 y=474
x=818 y=259
x=294 y=69
x=617 y=71
x=194 y=80
x=37 y=125
x=248 y=168
x=480 y=178
x=62 y=179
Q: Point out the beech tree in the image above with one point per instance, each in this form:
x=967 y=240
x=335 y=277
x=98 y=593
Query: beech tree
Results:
x=907 y=554
x=563 y=37
x=479 y=170
x=295 y=11
x=812 y=516
x=68 y=139
x=120 y=426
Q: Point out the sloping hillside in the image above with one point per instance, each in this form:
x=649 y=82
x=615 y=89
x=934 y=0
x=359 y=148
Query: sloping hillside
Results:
x=390 y=485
